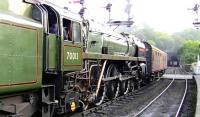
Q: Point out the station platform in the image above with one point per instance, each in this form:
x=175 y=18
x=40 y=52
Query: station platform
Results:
x=197 y=78
x=176 y=76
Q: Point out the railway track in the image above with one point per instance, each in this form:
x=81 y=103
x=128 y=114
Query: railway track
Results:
x=183 y=98
x=163 y=105
x=140 y=102
x=151 y=102
x=184 y=95
x=160 y=106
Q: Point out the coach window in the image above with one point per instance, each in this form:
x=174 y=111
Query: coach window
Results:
x=157 y=57
x=76 y=32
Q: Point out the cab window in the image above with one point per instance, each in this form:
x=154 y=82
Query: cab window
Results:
x=67 y=32
x=71 y=31
x=76 y=32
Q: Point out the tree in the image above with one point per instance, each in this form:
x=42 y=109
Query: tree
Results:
x=189 y=51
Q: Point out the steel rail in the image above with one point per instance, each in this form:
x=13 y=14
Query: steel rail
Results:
x=141 y=111
x=108 y=103
x=183 y=98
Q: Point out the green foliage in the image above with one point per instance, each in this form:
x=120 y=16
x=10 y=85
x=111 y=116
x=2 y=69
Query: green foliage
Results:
x=189 y=51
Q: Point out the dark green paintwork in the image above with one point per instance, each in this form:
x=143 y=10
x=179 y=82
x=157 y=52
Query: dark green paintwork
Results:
x=20 y=56
x=115 y=47
x=52 y=51
x=72 y=57
x=95 y=42
x=111 y=57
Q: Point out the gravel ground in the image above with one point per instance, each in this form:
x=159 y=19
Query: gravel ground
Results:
x=189 y=104
x=171 y=70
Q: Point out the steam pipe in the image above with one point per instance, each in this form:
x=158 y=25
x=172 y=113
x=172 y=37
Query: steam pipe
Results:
x=100 y=77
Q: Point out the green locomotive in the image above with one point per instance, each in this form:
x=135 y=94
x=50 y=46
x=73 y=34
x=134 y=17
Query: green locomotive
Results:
x=53 y=61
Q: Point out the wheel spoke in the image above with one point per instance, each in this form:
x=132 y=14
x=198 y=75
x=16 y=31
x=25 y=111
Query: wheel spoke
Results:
x=113 y=85
x=127 y=86
x=132 y=86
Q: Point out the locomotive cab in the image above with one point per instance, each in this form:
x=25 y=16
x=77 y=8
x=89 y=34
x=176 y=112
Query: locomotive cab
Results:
x=62 y=53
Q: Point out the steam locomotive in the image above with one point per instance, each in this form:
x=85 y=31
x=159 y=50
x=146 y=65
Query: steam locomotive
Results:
x=53 y=61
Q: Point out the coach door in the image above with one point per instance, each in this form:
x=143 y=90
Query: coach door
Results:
x=72 y=45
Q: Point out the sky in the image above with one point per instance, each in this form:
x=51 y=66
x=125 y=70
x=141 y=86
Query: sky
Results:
x=165 y=15
x=162 y=15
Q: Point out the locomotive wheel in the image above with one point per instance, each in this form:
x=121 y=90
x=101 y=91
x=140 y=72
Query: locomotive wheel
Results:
x=139 y=83
x=127 y=86
x=132 y=86
x=113 y=85
x=124 y=87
